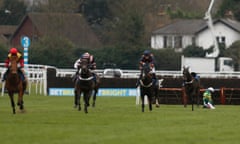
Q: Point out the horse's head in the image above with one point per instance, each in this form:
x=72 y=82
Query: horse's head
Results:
x=146 y=68
x=84 y=68
x=186 y=74
x=13 y=64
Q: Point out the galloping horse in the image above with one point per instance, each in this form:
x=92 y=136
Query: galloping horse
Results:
x=191 y=87
x=84 y=84
x=14 y=84
x=146 y=85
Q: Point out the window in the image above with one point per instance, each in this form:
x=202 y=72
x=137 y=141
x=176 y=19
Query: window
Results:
x=170 y=42
x=194 y=41
x=178 y=42
x=223 y=39
x=165 y=41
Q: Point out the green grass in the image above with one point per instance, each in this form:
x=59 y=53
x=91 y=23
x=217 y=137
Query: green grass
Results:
x=115 y=120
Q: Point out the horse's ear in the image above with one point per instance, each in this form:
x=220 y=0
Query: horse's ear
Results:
x=186 y=67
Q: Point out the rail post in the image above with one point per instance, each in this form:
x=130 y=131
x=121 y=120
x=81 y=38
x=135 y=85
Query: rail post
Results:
x=222 y=96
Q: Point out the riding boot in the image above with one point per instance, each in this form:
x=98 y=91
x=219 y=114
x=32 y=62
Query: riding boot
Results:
x=24 y=84
x=5 y=75
x=94 y=78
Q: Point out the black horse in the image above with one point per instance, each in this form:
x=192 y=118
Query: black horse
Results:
x=84 y=84
x=146 y=85
x=191 y=87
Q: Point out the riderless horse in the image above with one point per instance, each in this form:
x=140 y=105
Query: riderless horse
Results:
x=85 y=84
x=191 y=87
x=146 y=85
x=14 y=84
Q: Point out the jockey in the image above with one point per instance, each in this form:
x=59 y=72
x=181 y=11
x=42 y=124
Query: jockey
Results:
x=90 y=59
x=207 y=98
x=195 y=76
x=91 y=62
x=147 y=57
x=14 y=51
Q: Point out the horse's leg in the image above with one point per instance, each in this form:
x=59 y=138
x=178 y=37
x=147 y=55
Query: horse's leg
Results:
x=157 y=99
x=20 y=100
x=79 y=93
x=89 y=97
x=149 y=96
x=12 y=102
x=95 y=96
x=192 y=97
x=198 y=98
x=86 y=103
x=150 y=102
x=185 y=97
x=75 y=98
x=142 y=99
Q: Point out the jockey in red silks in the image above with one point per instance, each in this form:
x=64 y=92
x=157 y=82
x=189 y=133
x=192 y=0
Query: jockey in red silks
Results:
x=91 y=62
x=12 y=52
x=147 y=57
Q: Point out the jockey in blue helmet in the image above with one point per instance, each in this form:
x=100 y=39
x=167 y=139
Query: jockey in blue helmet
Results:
x=147 y=57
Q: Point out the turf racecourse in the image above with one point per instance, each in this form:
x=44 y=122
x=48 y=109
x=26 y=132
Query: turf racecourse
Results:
x=115 y=120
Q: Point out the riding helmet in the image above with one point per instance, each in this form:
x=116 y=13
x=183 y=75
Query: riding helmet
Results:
x=146 y=53
x=86 y=55
x=13 y=51
x=211 y=89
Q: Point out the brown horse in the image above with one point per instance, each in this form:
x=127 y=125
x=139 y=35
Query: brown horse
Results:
x=14 y=84
x=191 y=87
x=146 y=85
x=85 y=84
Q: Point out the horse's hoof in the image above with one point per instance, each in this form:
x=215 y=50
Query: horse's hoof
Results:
x=93 y=105
x=22 y=111
x=157 y=105
x=75 y=106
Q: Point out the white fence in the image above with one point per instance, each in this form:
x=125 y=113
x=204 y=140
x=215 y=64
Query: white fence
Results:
x=136 y=73
x=36 y=75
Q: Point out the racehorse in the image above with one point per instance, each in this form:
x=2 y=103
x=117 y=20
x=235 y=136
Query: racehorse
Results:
x=146 y=85
x=191 y=87
x=14 y=84
x=84 y=84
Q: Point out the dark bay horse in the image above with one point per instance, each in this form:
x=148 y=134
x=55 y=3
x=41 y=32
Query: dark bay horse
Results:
x=146 y=85
x=14 y=84
x=191 y=87
x=85 y=85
